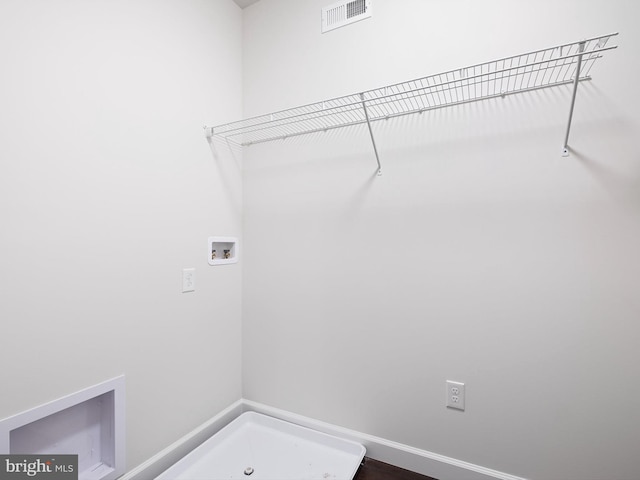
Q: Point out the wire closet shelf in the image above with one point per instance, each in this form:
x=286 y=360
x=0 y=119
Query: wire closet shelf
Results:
x=560 y=65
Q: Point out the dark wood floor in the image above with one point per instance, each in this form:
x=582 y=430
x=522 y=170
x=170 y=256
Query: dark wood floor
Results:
x=374 y=470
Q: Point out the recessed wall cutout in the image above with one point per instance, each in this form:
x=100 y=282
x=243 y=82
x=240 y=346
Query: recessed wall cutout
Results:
x=223 y=250
x=89 y=423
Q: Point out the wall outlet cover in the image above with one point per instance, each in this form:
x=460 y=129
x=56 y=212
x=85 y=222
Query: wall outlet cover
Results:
x=455 y=395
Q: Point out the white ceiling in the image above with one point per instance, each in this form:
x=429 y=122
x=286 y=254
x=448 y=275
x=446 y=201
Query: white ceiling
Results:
x=245 y=3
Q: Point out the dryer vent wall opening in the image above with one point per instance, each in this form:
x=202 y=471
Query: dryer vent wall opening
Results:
x=344 y=13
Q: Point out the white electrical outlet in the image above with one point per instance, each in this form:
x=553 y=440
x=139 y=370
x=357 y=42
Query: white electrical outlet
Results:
x=455 y=395
x=188 y=280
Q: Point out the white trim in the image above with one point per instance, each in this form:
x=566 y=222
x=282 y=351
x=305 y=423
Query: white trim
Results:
x=178 y=449
x=404 y=456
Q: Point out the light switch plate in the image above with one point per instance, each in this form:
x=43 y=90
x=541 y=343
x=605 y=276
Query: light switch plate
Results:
x=188 y=280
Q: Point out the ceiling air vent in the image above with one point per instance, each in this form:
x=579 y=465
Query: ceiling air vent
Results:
x=343 y=13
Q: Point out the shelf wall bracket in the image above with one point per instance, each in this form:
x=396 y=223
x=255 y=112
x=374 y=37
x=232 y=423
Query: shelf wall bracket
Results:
x=576 y=80
x=373 y=140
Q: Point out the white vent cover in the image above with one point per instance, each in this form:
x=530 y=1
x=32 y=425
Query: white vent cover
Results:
x=345 y=12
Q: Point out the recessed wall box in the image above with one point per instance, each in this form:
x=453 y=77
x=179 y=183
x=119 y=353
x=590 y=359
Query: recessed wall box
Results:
x=222 y=250
x=89 y=423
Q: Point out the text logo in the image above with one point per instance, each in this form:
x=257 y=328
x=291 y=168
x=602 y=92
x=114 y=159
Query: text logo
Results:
x=46 y=467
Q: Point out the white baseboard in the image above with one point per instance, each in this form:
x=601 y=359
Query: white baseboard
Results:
x=404 y=456
x=394 y=453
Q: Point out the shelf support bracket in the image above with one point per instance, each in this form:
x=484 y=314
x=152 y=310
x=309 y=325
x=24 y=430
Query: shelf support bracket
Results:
x=373 y=140
x=576 y=80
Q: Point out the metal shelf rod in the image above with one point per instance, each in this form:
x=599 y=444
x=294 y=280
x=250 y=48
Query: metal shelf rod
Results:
x=401 y=114
x=432 y=88
x=493 y=73
x=563 y=64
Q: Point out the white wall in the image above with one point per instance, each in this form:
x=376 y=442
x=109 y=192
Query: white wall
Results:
x=108 y=189
x=481 y=255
